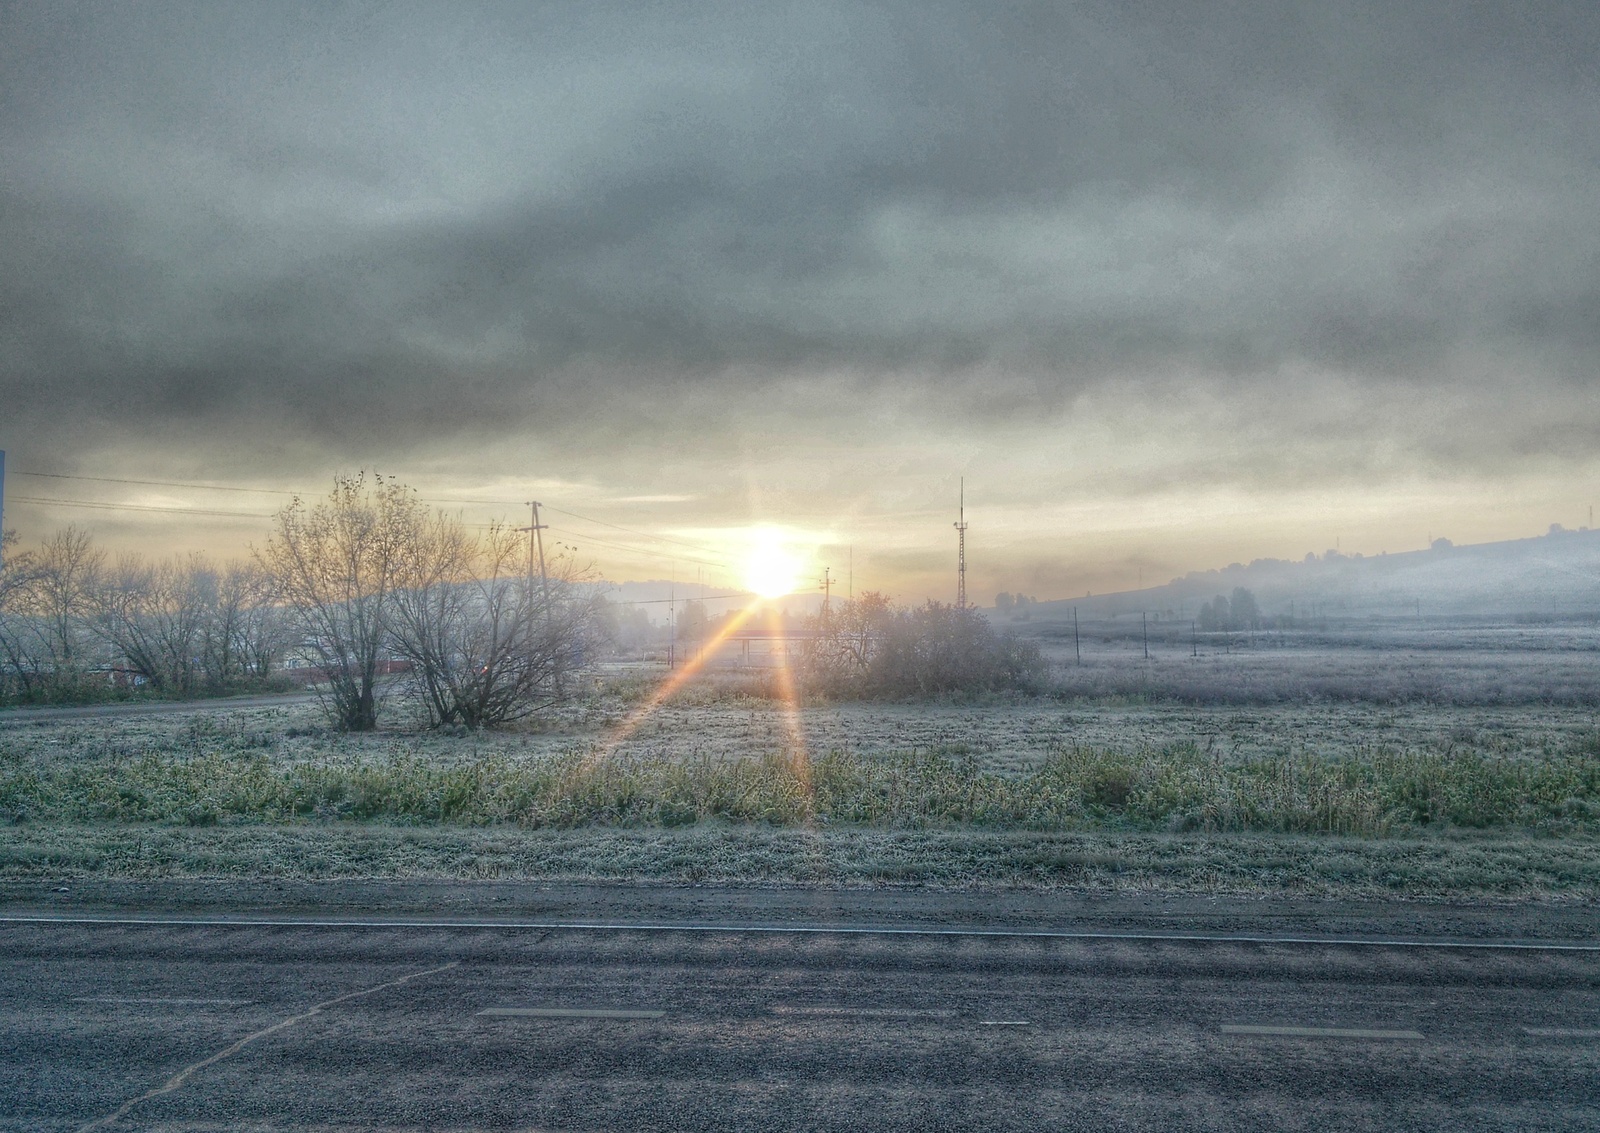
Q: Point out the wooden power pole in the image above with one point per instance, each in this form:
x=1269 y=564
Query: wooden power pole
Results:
x=961 y=549
x=536 y=553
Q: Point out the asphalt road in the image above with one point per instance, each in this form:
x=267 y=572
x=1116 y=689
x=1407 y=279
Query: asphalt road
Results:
x=150 y=707
x=154 y=707
x=454 y=1025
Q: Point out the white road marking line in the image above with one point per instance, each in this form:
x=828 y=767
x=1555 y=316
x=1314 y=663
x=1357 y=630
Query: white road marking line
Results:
x=1563 y=1032
x=866 y=1012
x=1318 y=1032
x=175 y=1000
x=1004 y=1023
x=189 y=1071
x=806 y=930
x=568 y=1013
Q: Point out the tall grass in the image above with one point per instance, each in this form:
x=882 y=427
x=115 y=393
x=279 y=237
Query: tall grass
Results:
x=1174 y=788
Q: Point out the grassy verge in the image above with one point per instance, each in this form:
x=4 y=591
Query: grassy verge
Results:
x=1174 y=789
x=1460 y=866
x=1412 y=822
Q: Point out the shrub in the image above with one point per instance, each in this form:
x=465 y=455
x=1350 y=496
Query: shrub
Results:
x=874 y=649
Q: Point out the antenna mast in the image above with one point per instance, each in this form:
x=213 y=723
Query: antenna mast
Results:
x=961 y=549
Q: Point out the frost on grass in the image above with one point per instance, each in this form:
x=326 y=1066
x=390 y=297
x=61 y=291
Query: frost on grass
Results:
x=1328 y=866
x=1325 y=795
x=1482 y=783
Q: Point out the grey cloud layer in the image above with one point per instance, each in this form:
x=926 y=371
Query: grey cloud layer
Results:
x=381 y=222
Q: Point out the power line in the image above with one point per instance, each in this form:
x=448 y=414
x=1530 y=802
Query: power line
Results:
x=665 y=601
x=100 y=506
x=721 y=561
x=226 y=487
x=698 y=545
x=663 y=556
x=156 y=483
x=707 y=598
x=702 y=547
x=694 y=545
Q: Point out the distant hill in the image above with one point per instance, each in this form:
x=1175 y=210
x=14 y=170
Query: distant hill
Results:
x=1555 y=574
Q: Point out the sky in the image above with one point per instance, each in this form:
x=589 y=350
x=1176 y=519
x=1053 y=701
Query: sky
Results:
x=1168 y=284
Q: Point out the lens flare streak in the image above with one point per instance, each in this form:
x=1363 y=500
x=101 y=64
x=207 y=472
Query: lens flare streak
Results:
x=677 y=680
x=788 y=693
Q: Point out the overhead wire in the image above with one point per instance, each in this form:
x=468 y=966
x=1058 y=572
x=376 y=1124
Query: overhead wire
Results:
x=676 y=601
x=620 y=527
x=701 y=546
x=98 y=505
x=659 y=555
x=101 y=506
x=156 y=483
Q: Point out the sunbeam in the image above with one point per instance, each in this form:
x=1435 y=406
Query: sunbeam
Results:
x=675 y=681
x=789 y=696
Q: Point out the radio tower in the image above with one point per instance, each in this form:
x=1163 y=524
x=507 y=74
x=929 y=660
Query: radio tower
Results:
x=961 y=550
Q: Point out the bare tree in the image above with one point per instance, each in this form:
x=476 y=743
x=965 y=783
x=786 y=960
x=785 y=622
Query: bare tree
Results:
x=487 y=646
x=336 y=565
x=69 y=567
x=156 y=617
x=47 y=599
x=251 y=630
x=17 y=569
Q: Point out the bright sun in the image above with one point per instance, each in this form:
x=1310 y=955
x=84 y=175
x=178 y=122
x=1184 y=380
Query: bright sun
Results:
x=771 y=569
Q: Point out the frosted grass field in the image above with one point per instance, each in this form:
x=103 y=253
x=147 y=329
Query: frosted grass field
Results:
x=1386 y=663
x=1008 y=737
x=1326 y=795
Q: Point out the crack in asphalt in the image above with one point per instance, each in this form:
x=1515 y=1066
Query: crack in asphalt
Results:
x=189 y=1071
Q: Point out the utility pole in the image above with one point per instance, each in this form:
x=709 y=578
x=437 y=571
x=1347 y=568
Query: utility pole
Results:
x=536 y=548
x=961 y=549
x=1144 y=626
x=1077 y=652
x=852 y=592
x=535 y=531
x=1194 y=639
x=544 y=576
x=827 y=590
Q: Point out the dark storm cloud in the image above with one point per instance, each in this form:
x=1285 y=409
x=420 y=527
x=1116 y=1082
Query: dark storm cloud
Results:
x=380 y=221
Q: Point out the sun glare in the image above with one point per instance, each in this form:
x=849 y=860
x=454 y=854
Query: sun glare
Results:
x=771 y=569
